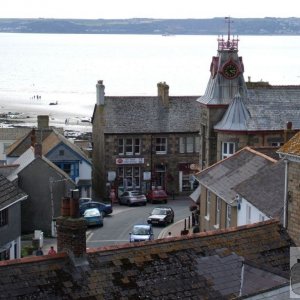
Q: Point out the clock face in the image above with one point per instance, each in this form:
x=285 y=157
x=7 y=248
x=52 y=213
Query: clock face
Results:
x=230 y=70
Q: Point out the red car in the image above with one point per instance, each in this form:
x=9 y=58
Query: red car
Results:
x=157 y=196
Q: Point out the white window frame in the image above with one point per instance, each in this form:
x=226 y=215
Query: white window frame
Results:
x=129 y=146
x=207 y=207
x=161 y=145
x=189 y=144
x=218 y=212
x=228 y=216
x=261 y=218
x=228 y=149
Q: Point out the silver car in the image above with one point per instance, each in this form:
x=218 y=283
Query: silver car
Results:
x=132 y=197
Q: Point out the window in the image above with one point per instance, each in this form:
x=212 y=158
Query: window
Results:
x=248 y=214
x=129 y=177
x=228 y=216
x=276 y=144
x=161 y=146
x=261 y=218
x=129 y=146
x=4 y=217
x=72 y=169
x=207 y=207
x=189 y=144
x=227 y=149
x=218 y=212
x=61 y=153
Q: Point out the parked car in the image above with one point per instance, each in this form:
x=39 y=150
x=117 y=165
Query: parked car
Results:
x=139 y=233
x=84 y=200
x=105 y=208
x=161 y=216
x=132 y=197
x=157 y=196
x=93 y=217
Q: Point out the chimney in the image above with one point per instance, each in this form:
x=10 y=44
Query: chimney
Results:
x=163 y=93
x=100 y=89
x=71 y=230
x=288 y=132
x=43 y=122
x=33 y=138
x=37 y=150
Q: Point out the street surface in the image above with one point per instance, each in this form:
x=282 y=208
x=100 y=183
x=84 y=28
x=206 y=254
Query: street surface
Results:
x=117 y=226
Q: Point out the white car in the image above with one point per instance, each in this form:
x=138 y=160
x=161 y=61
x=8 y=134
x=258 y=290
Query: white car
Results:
x=132 y=197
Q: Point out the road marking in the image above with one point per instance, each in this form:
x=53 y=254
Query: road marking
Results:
x=89 y=235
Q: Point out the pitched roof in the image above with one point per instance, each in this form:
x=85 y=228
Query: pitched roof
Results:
x=162 y=269
x=55 y=138
x=27 y=158
x=149 y=115
x=271 y=108
x=21 y=145
x=265 y=190
x=221 y=177
x=9 y=193
x=291 y=147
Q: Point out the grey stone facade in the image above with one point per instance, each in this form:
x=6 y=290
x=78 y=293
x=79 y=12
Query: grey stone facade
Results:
x=147 y=121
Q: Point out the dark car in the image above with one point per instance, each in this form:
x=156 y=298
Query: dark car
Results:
x=105 y=208
x=132 y=197
x=157 y=196
x=140 y=233
x=161 y=216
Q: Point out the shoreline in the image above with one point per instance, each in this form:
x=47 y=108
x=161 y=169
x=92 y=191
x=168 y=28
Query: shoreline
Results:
x=20 y=114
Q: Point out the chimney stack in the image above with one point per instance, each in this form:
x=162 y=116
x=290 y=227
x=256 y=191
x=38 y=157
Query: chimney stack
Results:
x=100 y=90
x=43 y=122
x=163 y=93
x=32 y=138
x=71 y=230
x=37 y=150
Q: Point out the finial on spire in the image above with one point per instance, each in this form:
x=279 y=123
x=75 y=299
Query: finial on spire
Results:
x=228 y=21
x=230 y=45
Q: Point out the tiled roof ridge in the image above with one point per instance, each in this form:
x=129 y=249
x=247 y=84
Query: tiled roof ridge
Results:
x=136 y=97
x=9 y=166
x=261 y=154
x=279 y=86
x=31 y=259
x=271 y=222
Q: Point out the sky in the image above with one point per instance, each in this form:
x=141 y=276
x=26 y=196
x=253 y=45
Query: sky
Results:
x=166 y=9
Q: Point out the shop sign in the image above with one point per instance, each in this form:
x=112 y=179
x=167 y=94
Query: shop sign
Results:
x=130 y=161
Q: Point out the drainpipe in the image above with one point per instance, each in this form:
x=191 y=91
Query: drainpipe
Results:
x=285 y=191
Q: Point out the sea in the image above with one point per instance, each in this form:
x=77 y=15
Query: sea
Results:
x=39 y=69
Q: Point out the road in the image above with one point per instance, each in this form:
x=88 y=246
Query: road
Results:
x=117 y=226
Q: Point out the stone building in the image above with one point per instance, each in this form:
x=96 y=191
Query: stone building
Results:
x=235 y=113
x=144 y=142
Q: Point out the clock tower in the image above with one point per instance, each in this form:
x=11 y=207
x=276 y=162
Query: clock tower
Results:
x=226 y=80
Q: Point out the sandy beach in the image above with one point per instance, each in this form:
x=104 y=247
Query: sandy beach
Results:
x=24 y=113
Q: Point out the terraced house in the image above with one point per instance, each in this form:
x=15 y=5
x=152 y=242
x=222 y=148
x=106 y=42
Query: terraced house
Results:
x=144 y=142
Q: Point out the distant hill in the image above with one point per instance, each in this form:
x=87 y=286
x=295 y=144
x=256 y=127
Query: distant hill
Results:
x=214 y=26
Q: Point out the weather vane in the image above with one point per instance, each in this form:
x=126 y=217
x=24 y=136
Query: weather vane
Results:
x=228 y=21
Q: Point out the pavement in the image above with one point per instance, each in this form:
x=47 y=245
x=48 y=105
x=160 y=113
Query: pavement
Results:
x=177 y=229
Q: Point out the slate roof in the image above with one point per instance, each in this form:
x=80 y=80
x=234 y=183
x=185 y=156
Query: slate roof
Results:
x=270 y=108
x=265 y=190
x=9 y=193
x=173 y=268
x=223 y=176
x=236 y=116
x=149 y=115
